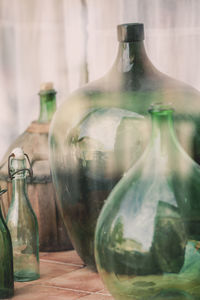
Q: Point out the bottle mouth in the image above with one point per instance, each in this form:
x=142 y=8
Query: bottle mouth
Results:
x=161 y=108
x=41 y=93
x=47 y=88
x=130 y=32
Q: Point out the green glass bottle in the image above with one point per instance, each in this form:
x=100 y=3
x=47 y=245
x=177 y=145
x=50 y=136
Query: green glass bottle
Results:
x=95 y=137
x=6 y=259
x=148 y=234
x=47 y=102
x=22 y=222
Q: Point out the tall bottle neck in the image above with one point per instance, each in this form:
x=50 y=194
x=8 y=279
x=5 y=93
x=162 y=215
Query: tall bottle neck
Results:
x=132 y=69
x=19 y=189
x=47 y=106
x=132 y=57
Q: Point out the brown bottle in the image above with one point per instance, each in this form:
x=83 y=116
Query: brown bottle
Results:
x=34 y=142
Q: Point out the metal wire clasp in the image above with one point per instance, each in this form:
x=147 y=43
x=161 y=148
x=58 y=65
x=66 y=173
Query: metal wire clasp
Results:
x=29 y=170
x=2 y=191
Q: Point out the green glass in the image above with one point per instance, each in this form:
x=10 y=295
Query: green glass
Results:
x=147 y=242
x=102 y=129
x=47 y=105
x=22 y=224
x=6 y=259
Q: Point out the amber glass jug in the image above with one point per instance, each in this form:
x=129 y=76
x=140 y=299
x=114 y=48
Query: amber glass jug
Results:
x=102 y=129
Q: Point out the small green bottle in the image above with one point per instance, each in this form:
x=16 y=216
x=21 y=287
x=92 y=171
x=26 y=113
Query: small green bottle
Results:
x=6 y=259
x=22 y=222
x=47 y=102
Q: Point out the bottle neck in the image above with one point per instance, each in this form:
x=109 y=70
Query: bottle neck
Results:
x=132 y=68
x=132 y=57
x=163 y=135
x=47 y=106
x=19 y=186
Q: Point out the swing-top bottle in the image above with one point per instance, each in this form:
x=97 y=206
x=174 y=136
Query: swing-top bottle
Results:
x=21 y=221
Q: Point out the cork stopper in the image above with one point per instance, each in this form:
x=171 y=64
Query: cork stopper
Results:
x=18 y=153
x=46 y=86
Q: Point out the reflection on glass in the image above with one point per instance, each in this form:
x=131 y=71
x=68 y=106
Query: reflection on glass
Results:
x=148 y=233
x=95 y=138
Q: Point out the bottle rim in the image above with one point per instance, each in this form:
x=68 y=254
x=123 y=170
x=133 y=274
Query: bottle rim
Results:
x=160 y=107
x=130 y=32
x=42 y=93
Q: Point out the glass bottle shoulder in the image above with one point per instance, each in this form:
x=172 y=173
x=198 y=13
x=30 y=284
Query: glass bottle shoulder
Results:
x=100 y=94
x=153 y=174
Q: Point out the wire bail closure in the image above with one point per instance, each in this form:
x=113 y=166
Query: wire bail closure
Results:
x=29 y=170
x=2 y=191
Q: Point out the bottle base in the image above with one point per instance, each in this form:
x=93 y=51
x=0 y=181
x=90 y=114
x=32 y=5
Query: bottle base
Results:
x=25 y=276
x=6 y=293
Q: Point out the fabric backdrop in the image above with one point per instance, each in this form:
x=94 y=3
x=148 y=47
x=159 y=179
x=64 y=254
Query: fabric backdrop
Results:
x=71 y=42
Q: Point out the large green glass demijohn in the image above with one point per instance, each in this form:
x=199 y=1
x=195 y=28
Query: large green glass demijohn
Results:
x=22 y=222
x=6 y=259
x=95 y=135
x=148 y=233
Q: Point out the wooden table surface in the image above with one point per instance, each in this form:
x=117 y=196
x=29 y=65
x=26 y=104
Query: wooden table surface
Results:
x=62 y=277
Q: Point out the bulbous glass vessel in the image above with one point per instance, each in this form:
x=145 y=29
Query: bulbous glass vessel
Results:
x=102 y=129
x=148 y=233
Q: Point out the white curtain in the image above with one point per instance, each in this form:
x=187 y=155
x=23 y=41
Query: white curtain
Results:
x=72 y=41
